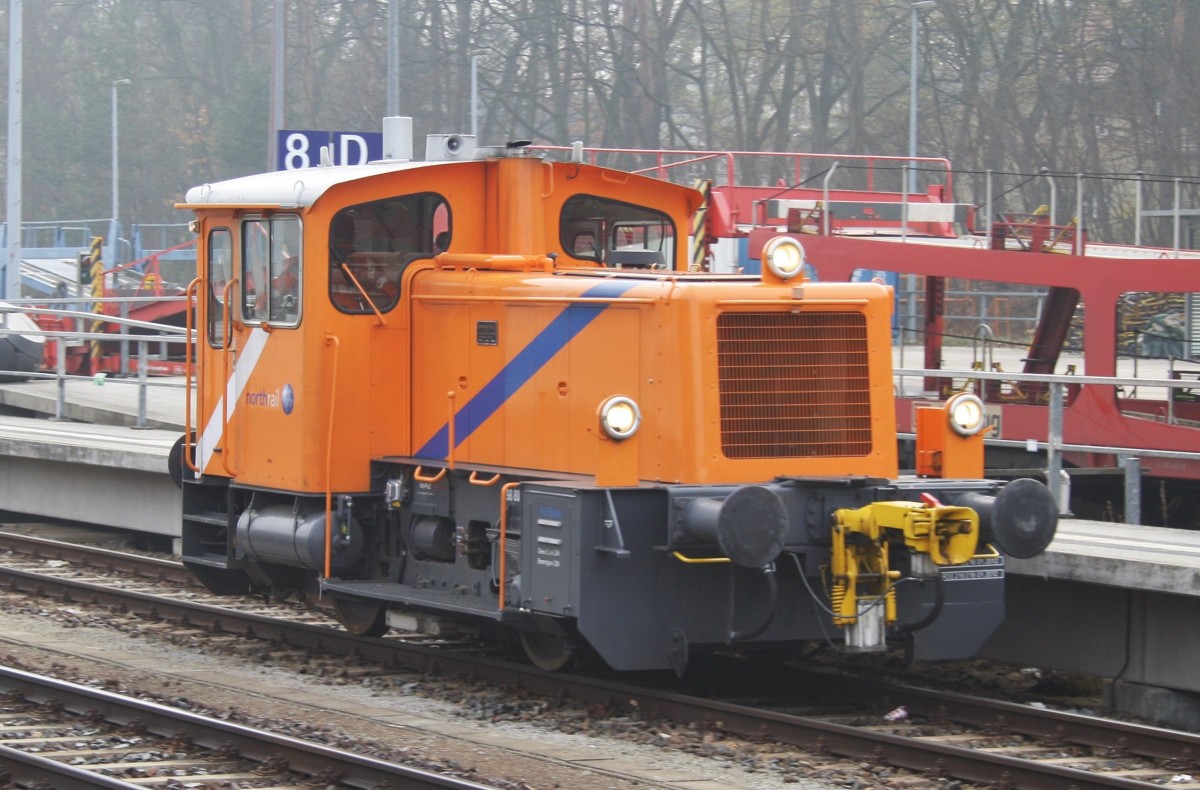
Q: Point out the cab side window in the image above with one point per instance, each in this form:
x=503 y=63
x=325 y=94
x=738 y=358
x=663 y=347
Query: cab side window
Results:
x=220 y=270
x=370 y=244
x=616 y=234
x=271 y=270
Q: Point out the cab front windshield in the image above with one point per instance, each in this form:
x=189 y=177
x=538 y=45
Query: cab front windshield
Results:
x=370 y=244
x=616 y=234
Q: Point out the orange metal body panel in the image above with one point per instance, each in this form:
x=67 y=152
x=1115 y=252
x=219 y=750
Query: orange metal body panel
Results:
x=653 y=343
x=510 y=206
x=254 y=438
x=941 y=452
x=562 y=345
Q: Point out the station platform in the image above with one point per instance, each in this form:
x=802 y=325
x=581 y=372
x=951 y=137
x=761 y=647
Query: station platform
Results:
x=93 y=464
x=104 y=400
x=1151 y=559
x=1115 y=601
x=1121 y=602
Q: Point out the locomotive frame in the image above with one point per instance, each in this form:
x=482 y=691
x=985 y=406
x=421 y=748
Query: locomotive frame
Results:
x=484 y=389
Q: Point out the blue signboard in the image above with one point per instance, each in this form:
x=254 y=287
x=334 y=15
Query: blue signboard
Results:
x=874 y=275
x=298 y=149
x=887 y=278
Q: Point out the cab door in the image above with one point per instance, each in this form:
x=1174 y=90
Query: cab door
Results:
x=254 y=360
x=218 y=245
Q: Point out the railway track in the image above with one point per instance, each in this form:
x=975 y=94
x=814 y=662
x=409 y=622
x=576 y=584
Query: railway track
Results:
x=66 y=736
x=996 y=743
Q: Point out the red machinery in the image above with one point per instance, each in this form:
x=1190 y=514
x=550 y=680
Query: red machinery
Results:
x=1139 y=304
x=140 y=278
x=1035 y=277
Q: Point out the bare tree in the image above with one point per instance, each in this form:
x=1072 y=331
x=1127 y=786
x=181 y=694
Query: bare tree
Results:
x=1095 y=86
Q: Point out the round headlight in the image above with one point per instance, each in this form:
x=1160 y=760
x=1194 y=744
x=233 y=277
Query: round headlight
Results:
x=620 y=417
x=966 y=414
x=784 y=257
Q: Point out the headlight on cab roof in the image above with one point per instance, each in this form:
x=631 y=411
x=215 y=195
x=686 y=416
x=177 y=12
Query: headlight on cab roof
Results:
x=620 y=417
x=966 y=414
x=784 y=257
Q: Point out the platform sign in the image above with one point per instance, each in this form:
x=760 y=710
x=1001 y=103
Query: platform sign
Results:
x=874 y=276
x=886 y=278
x=298 y=149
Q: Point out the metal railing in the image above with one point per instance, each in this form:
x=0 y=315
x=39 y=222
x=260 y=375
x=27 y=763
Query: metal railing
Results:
x=161 y=337
x=166 y=335
x=1128 y=458
x=69 y=238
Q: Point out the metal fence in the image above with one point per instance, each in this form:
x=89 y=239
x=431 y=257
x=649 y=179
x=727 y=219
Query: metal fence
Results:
x=158 y=339
x=1128 y=458
x=153 y=341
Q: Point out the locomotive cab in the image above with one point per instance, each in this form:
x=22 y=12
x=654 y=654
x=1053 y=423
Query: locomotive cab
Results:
x=487 y=391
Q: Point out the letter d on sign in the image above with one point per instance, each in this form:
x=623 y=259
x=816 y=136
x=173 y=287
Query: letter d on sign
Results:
x=356 y=144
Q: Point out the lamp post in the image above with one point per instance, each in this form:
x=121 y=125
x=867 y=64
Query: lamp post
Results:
x=475 y=92
x=116 y=201
x=278 y=78
x=393 y=59
x=918 y=6
x=10 y=284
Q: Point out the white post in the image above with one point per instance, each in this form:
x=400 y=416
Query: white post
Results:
x=393 y=59
x=10 y=286
x=278 y=48
x=1132 y=465
x=1137 y=211
x=475 y=96
x=912 y=93
x=1054 y=442
x=116 y=166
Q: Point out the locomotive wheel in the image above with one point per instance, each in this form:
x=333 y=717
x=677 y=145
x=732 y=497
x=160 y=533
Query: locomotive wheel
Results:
x=550 y=647
x=361 y=618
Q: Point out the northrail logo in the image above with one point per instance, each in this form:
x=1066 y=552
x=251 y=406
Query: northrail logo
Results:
x=279 y=399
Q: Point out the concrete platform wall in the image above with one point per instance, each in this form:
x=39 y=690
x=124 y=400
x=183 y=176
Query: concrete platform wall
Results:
x=1130 y=634
x=1146 y=644
x=116 y=497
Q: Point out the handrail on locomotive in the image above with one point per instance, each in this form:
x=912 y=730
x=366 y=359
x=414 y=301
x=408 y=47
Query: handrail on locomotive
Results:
x=543 y=333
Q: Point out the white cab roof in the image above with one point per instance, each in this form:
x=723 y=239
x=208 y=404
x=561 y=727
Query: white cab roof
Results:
x=290 y=188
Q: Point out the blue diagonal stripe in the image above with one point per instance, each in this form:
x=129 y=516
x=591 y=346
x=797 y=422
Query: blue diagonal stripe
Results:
x=522 y=367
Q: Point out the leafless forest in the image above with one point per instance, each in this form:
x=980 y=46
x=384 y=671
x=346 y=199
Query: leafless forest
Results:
x=1103 y=87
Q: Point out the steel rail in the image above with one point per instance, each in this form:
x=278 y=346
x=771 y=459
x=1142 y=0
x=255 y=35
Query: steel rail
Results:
x=925 y=756
x=98 y=557
x=810 y=733
x=18 y=766
x=256 y=745
x=1114 y=737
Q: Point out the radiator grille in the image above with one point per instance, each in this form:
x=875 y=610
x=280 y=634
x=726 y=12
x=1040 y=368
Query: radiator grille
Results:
x=793 y=385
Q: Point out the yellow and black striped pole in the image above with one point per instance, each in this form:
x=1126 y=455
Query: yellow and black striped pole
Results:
x=97 y=273
x=700 y=227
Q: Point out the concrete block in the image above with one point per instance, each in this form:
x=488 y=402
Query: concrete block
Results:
x=1167 y=707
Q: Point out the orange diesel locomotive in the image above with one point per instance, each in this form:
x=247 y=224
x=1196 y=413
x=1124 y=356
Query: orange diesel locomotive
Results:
x=483 y=389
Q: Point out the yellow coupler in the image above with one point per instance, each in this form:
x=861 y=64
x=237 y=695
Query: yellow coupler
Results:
x=946 y=535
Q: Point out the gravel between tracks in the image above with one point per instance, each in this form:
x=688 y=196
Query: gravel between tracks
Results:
x=465 y=737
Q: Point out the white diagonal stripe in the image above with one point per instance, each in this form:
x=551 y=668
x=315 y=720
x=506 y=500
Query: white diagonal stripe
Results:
x=243 y=366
